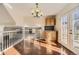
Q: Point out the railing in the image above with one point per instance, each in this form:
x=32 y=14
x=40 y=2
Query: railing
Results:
x=9 y=38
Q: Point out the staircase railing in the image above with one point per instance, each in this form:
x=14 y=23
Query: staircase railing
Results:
x=10 y=38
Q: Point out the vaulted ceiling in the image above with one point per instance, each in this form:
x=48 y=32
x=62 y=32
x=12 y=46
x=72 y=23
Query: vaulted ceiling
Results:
x=21 y=12
x=24 y=9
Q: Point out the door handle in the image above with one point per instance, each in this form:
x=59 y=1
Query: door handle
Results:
x=70 y=30
x=70 y=33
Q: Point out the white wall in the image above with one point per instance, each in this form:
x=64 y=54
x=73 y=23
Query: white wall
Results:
x=5 y=18
x=34 y=21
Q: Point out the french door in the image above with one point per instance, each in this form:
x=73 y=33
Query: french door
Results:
x=76 y=29
x=64 y=30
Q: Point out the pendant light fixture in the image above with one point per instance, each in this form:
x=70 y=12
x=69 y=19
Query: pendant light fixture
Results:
x=36 y=12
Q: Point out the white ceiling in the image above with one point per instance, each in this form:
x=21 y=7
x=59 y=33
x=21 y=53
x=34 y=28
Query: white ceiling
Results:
x=21 y=12
x=24 y=9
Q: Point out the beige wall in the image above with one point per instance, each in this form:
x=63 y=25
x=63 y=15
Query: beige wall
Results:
x=5 y=18
x=68 y=9
x=22 y=19
x=32 y=21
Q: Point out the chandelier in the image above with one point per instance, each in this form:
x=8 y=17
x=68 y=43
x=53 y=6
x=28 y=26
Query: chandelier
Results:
x=36 y=12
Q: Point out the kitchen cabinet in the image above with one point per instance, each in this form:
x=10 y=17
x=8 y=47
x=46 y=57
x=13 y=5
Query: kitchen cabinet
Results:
x=50 y=20
x=51 y=36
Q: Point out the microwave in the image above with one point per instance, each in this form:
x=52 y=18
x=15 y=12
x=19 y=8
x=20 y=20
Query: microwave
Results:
x=49 y=28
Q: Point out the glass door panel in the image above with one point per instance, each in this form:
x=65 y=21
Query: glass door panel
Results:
x=76 y=29
x=64 y=29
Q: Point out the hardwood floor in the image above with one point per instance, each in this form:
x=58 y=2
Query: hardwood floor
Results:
x=38 y=47
x=41 y=48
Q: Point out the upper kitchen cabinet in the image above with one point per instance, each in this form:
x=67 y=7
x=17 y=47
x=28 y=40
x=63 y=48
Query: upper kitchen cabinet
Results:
x=50 y=20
